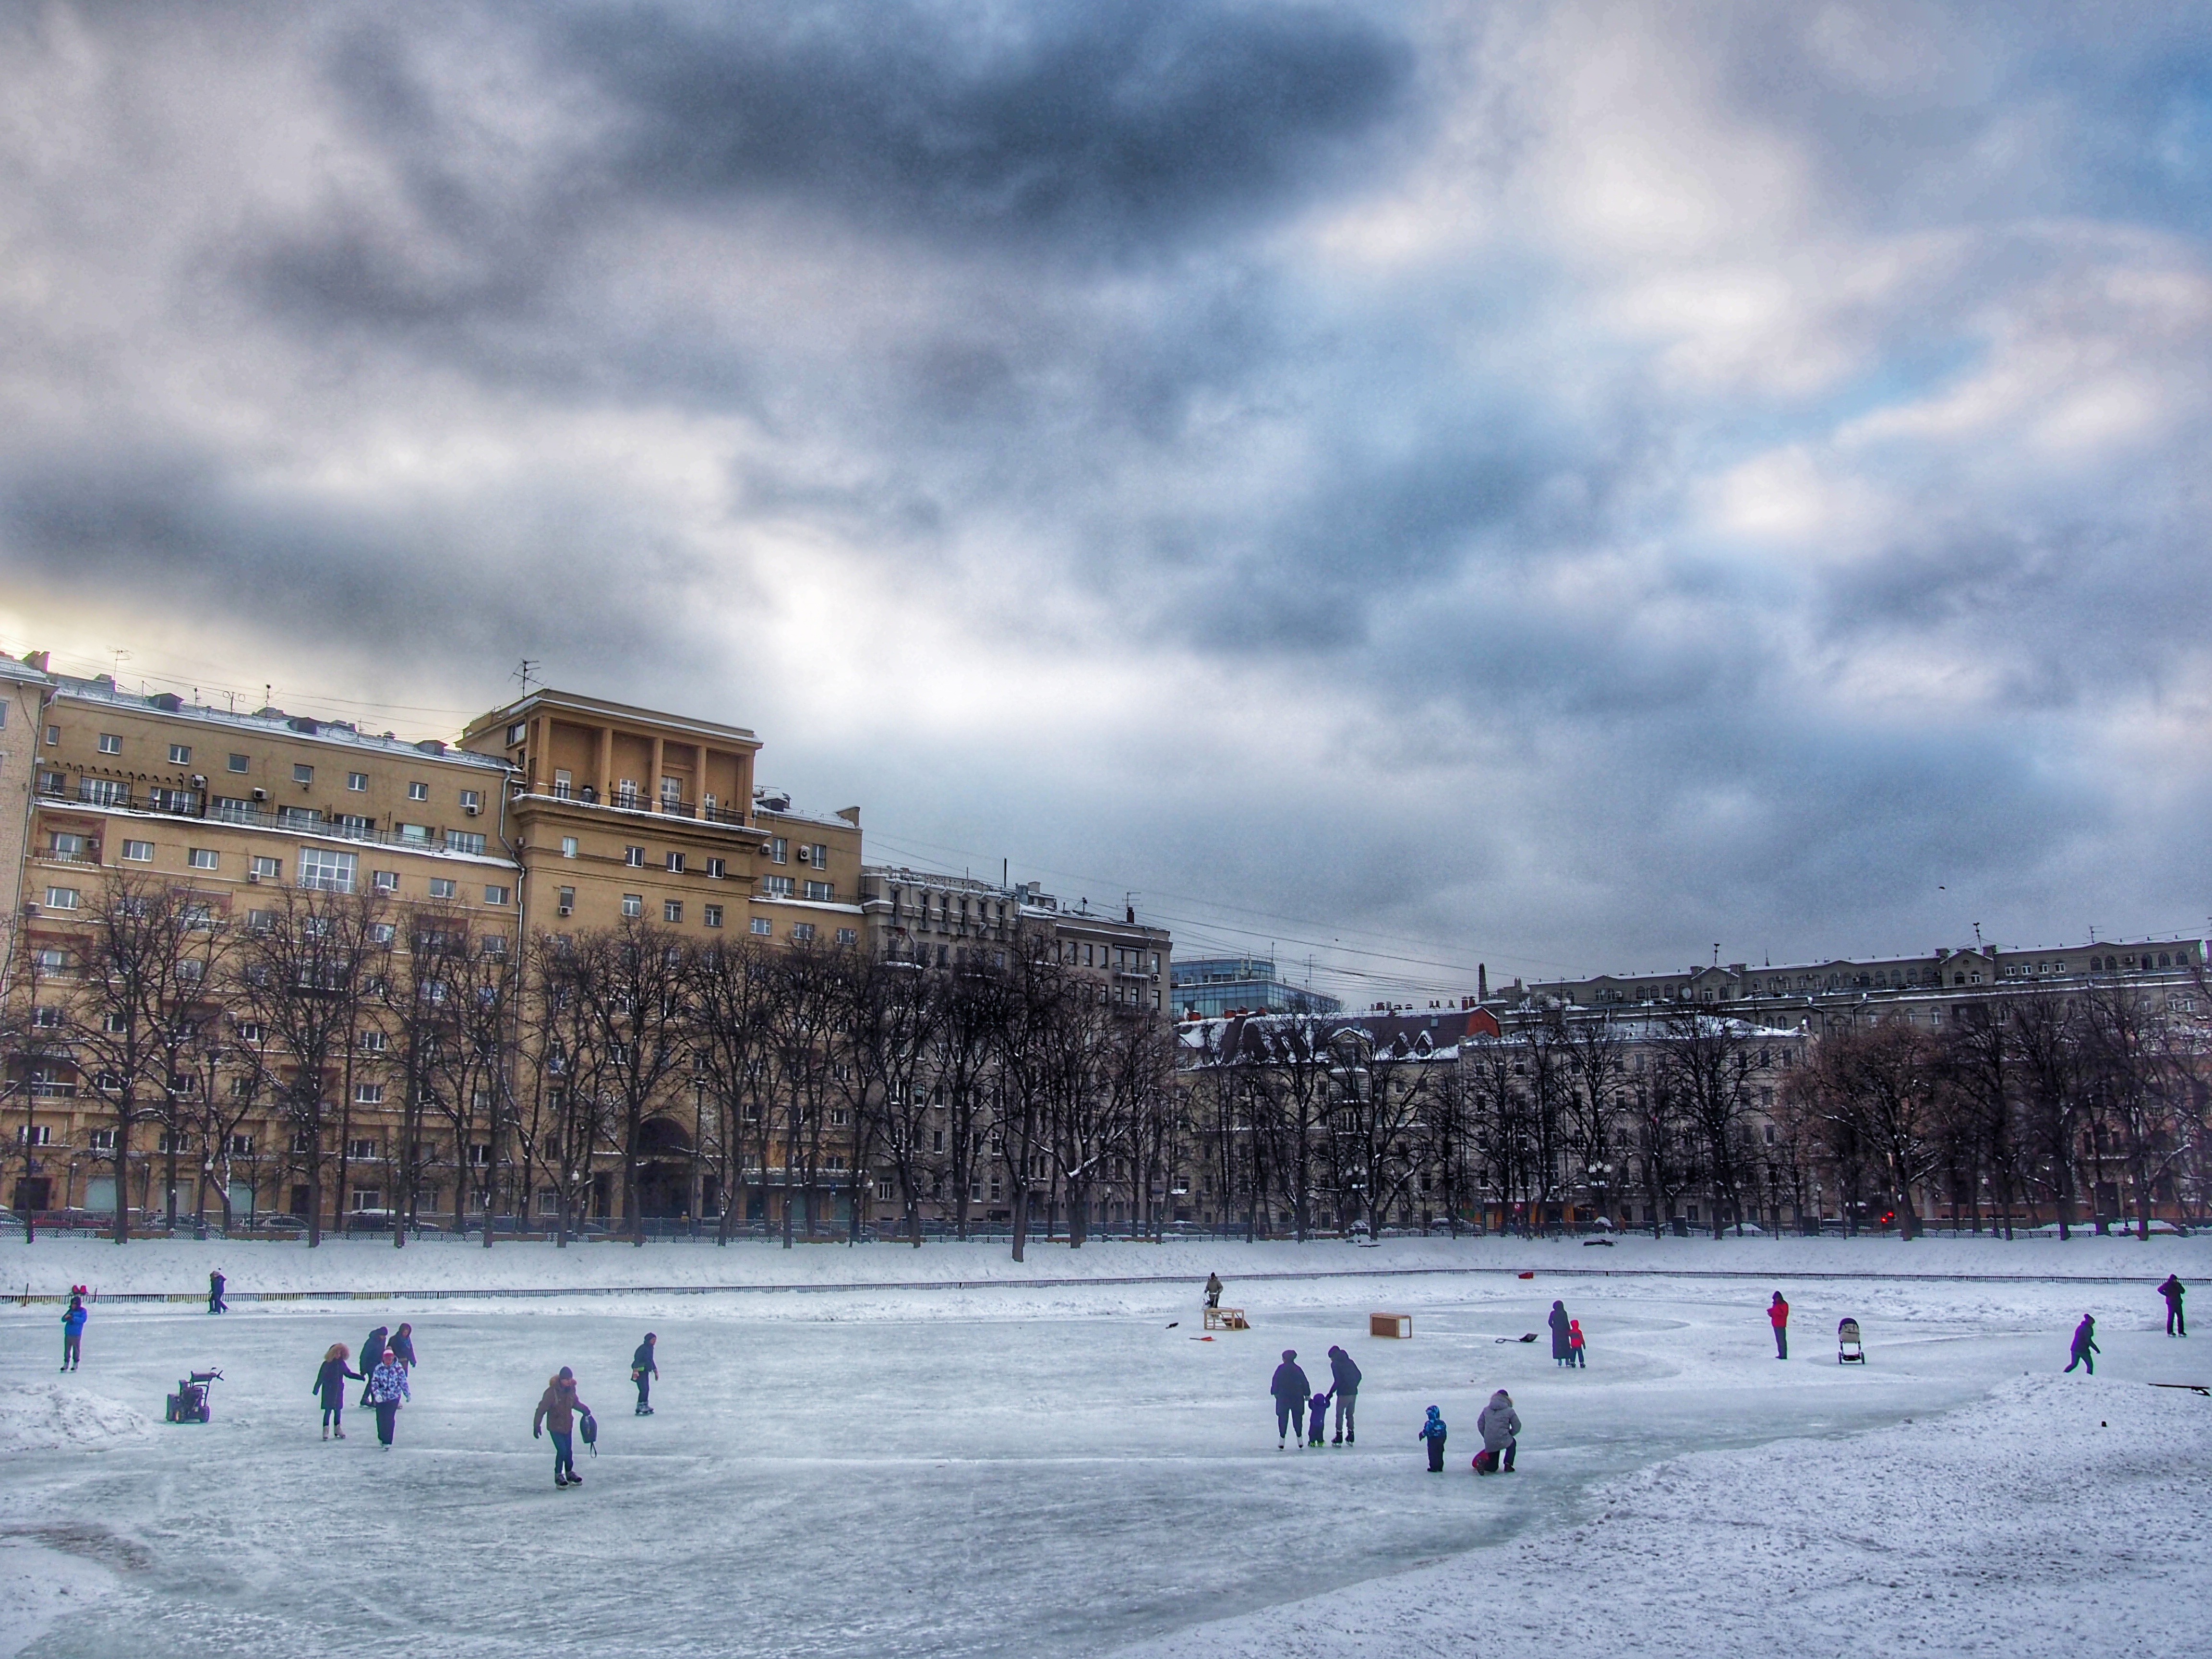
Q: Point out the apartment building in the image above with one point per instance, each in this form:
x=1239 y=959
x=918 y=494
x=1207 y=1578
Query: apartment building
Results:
x=949 y=920
x=24 y=689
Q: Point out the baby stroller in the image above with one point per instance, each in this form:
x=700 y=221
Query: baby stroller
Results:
x=190 y=1402
x=1847 y=1343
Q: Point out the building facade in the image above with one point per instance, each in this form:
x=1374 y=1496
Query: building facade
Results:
x=1214 y=988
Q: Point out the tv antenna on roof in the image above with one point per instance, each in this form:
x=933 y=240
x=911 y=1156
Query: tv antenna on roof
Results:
x=526 y=672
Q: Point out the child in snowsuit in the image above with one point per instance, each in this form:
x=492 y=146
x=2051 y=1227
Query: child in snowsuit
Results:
x=403 y=1347
x=642 y=1370
x=1432 y=1432
x=1574 y=1345
x=557 y=1409
x=330 y=1384
x=371 y=1351
x=73 y=1333
x=2174 y=1290
x=2085 y=1345
x=1318 y=1419
x=387 y=1389
x=1498 y=1425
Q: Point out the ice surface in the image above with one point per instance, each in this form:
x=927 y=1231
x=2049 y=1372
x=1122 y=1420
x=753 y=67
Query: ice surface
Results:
x=1012 y=1469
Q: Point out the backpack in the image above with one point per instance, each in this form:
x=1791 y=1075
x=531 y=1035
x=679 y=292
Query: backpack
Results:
x=588 y=1432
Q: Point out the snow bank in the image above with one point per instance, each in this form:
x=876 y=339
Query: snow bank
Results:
x=179 y=1268
x=2060 y=1515
x=56 y=1417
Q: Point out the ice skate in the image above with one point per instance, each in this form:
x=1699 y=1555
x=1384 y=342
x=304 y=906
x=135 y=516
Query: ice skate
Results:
x=559 y=1479
x=338 y=1434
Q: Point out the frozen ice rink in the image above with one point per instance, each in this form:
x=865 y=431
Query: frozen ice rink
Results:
x=1008 y=1469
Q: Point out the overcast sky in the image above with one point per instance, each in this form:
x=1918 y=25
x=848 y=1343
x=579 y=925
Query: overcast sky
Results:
x=1561 y=486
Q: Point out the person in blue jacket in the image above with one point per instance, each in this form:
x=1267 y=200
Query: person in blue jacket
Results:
x=2085 y=1345
x=1290 y=1388
x=642 y=1370
x=330 y=1384
x=1317 y=1425
x=73 y=1333
x=1433 y=1433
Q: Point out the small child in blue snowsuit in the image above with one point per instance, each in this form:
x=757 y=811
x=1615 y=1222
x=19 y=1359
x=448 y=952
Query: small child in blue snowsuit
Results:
x=1433 y=1433
x=1318 y=1420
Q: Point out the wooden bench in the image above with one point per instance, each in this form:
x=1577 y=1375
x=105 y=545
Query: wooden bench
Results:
x=1398 y=1325
x=1226 y=1318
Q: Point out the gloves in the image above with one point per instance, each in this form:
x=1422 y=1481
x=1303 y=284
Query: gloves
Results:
x=538 y=1434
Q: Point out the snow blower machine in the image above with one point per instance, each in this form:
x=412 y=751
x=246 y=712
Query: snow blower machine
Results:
x=190 y=1402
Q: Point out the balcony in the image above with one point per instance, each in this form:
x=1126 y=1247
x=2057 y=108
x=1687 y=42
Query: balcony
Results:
x=638 y=802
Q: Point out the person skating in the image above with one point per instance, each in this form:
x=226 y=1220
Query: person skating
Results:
x=2085 y=1345
x=215 y=1282
x=1432 y=1435
x=642 y=1370
x=1344 y=1383
x=1574 y=1345
x=1317 y=1420
x=73 y=1333
x=1213 y=1290
x=556 y=1412
x=1290 y=1388
x=1498 y=1425
x=371 y=1350
x=330 y=1384
x=2173 y=1290
x=403 y=1347
x=388 y=1392
x=1777 y=1315
x=1562 y=1353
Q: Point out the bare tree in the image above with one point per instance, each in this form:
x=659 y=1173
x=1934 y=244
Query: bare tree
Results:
x=733 y=991
x=1707 y=1062
x=892 y=1013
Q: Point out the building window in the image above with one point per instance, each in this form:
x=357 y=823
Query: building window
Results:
x=53 y=736
x=848 y=936
x=776 y=886
x=676 y=864
x=821 y=892
x=566 y=899
x=711 y=914
x=471 y=801
x=180 y=754
x=367 y=1197
x=384 y=881
x=633 y=904
x=779 y=850
x=374 y=1041
x=240 y=1145
x=61 y=898
x=327 y=871
x=418 y=790
x=49 y=960
x=260 y=921
x=567 y=847
x=302 y=772
x=242 y=762
x=110 y=743
x=716 y=869
x=494 y=895
x=464 y=841
x=517 y=733
x=107 y=791
x=760 y=926
x=265 y=868
x=564 y=783
x=671 y=911
x=138 y=852
x=633 y=857
x=368 y=1094
x=441 y=887
x=802 y=931
x=414 y=834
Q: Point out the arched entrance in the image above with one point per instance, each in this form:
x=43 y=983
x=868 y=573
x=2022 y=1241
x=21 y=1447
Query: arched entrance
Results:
x=664 y=1171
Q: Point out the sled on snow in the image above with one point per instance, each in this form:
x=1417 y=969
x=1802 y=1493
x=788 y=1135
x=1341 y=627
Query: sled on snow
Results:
x=1849 y=1349
x=190 y=1402
x=1226 y=1319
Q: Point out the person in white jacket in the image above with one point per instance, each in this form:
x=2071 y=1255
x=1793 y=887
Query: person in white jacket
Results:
x=1499 y=1425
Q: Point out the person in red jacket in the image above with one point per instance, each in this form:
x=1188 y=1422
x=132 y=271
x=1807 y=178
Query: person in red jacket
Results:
x=1777 y=1315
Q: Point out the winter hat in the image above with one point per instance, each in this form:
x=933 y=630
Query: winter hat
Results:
x=568 y=1375
x=1290 y=1353
x=388 y=1354
x=1501 y=1398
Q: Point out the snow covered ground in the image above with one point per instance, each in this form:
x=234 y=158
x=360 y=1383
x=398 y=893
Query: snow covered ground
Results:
x=1024 y=1467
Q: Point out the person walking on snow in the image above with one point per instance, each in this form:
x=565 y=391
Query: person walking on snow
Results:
x=642 y=1370
x=388 y=1391
x=1289 y=1389
x=1561 y=1353
x=556 y=1411
x=1432 y=1434
x=2085 y=1345
x=1344 y=1383
x=1498 y=1425
x=215 y=1282
x=1777 y=1315
x=403 y=1347
x=371 y=1351
x=1213 y=1290
x=73 y=1333
x=330 y=1384
x=2173 y=1290
x=1574 y=1345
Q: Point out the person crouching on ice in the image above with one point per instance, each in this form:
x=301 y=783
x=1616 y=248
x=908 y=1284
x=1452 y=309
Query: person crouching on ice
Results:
x=556 y=1411
x=330 y=1384
x=1433 y=1431
x=1497 y=1425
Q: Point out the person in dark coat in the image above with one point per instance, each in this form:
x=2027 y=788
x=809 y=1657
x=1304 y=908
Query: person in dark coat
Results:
x=73 y=1333
x=642 y=1370
x=330 y=1384
x=1213 y=1290
x=388 y=1392
x=215 y=1282
x=2085 y=1345
x=402 y=1346
x=1344 y=1386
x=1290 y=1388
x=1317 y=1425
x=371 y=1350
x=1562 y=1353
x=2173 y=1290
x=1432 y=1434
x=558 y=1411
x=1777 y=1315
